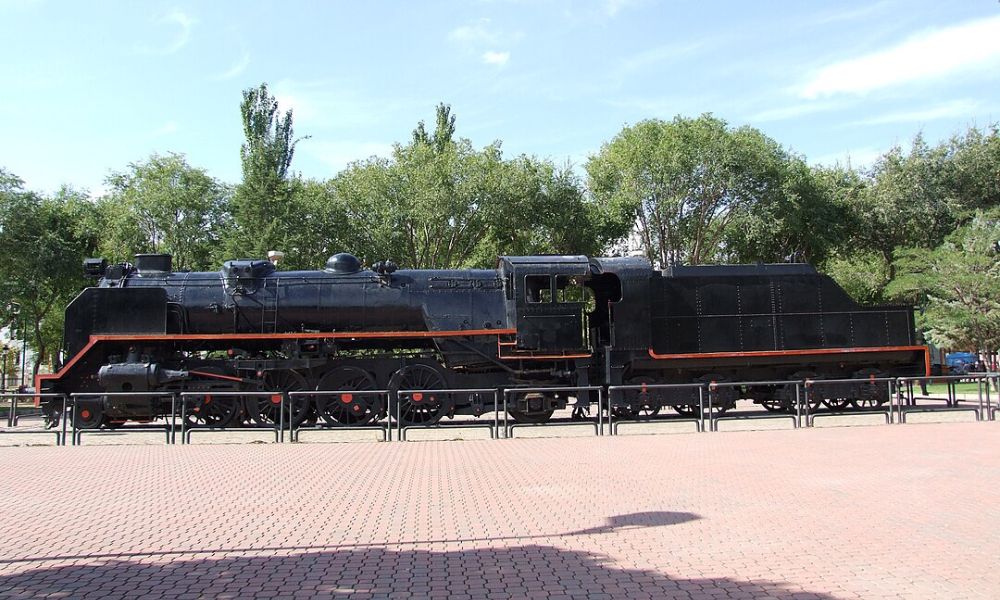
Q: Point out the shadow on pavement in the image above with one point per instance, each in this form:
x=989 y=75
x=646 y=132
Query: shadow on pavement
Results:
x=511 y=572
x=637 y=520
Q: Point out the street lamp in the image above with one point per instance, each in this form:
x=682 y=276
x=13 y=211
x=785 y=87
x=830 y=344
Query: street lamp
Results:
x=15 y=311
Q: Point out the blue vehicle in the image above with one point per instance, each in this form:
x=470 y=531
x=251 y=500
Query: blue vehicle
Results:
x=960 y=363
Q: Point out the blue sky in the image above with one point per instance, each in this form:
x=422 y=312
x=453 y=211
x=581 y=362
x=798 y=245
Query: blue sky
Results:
x=89 y=87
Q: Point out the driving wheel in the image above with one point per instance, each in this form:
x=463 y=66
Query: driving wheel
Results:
x=416 y=407
x=348 y=408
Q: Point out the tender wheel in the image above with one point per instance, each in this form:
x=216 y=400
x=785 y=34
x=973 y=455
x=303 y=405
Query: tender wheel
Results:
x=872 y=395
x=774 y=405
x=723 y=400
x=89 y=415
x=836 y=403
x=264 y=410
x=641 y=404
x=418 y=408
x=348 y=409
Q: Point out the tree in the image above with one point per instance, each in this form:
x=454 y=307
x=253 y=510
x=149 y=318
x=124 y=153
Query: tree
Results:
x=685 y=182
x=165 y=205
x=43 y=242
x=444 y=129
x=905 y=204
x=802 y=221
x=957 y=284
x=973 y=174
x=263 y=214
x=440 y=203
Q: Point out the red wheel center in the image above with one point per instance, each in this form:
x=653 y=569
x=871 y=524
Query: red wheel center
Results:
x=347 y=398
x=85 y=414
x=275 y=398
x=418 y=397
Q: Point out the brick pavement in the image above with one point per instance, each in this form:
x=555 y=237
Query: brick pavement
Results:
x=875 y=512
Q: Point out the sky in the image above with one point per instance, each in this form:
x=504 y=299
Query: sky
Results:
x=90 y=87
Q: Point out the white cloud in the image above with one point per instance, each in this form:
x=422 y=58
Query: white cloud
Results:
x=849 y=14
x=956 y=108
x=496 y=58
x=166 y=129
x=928 y=55
x=475 y=33
x=177 y=18
x=186 y=24
x=782 y=113
x=342 y=153
x=237 y=68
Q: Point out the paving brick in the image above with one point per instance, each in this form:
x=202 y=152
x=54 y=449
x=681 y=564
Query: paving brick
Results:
x=873 y=512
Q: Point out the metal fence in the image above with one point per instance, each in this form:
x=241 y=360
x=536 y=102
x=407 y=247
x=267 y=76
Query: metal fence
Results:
x=167 y=428
x=11 y=400
x=615 y=406
x=984 y=409
x=279 y=425
x=617 y=393
x=811 y=387
x=598 y=422
x=331 y=424
x=494 y=427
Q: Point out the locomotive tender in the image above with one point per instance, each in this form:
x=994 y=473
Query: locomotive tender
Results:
x=532 y=321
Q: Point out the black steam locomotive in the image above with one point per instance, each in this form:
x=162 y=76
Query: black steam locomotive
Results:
x=536 y=321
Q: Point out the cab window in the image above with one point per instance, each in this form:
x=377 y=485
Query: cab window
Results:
x=570 y=288
x=537 y=288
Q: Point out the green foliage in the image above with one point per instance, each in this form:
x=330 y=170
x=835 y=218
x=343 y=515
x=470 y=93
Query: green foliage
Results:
x=701 y=191
x=906 y=202
x=440 y=203
x=263 y=208
x=908 y=199
x=802 y=220
x=43 y=242
x=958 y=284
x=863 y=275
x=164 y=205
x=973 y=171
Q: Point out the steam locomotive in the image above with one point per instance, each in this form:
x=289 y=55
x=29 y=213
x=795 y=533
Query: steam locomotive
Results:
x=533 y=321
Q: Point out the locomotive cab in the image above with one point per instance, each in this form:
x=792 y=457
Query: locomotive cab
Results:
x=548 y=301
